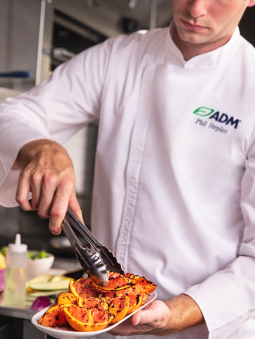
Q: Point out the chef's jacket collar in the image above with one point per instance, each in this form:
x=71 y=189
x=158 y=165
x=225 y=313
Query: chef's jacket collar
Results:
x=206 y=60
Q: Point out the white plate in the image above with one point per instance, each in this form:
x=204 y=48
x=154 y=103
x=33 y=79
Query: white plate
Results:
x=69 y=333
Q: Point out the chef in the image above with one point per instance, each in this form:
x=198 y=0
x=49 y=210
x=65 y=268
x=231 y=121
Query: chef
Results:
x=174 y=184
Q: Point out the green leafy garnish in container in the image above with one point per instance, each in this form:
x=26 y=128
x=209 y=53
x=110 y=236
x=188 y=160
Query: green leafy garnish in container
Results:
x=3 y=250
x=40 y=255
x=31 y=254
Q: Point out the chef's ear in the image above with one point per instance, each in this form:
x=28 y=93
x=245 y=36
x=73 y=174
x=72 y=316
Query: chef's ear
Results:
x=251 y=3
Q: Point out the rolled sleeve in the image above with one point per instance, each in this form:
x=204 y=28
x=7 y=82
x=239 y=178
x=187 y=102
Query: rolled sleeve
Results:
x=56 y=109
x=227 y=298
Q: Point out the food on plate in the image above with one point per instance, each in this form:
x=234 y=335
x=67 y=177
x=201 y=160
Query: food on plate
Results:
x=100 y=304
x=143 y=283
x=87 y=319
x=54 y=317
x=89 y=307
x=66 y=298
x=119 y=307
x=117 y=282
x=82 y=288
x=134 y=293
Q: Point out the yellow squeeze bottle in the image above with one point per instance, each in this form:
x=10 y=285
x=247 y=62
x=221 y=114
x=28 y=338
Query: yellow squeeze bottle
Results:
x=15 y=274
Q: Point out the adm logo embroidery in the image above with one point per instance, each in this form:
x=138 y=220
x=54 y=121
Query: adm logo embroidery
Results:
x=217 y=116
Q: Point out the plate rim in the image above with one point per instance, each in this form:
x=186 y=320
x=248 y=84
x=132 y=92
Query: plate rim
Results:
x=75 y=334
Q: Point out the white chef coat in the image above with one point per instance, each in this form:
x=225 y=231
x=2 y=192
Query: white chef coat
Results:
x=174 y=176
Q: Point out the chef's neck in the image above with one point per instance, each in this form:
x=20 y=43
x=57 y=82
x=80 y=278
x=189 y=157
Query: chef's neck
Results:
x=190 y=50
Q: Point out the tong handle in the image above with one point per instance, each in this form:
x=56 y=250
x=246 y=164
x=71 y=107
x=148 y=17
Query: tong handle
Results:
x=88 y=257
x=84 y=231
x=107 y=257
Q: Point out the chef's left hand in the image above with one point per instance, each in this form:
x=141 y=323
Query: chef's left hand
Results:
x=162 y=318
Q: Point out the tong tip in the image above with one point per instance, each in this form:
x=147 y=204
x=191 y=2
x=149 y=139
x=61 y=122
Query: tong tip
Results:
x=98 y=280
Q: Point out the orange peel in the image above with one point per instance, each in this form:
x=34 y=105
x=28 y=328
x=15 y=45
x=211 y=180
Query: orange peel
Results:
x=119 y=308
x=54 y=317
x=82 y=288
x=66 y=298
x=87 y=320
x=117 y=282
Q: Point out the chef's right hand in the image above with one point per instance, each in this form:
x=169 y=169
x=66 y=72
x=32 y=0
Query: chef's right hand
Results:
x=47 y=172
x=162 y=318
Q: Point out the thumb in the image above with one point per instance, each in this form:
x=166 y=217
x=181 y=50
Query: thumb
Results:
x=142 y=317
x=136 y=319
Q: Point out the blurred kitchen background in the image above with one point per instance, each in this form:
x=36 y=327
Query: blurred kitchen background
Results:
x=38 y=35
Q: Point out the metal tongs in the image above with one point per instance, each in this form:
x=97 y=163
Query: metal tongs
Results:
x=95 y=258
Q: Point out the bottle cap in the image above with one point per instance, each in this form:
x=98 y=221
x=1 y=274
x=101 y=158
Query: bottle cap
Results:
x=18 y=247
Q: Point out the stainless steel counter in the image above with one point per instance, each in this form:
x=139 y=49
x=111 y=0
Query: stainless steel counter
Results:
x=16 y=312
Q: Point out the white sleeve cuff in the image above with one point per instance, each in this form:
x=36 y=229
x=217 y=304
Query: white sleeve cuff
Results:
x=224 y=305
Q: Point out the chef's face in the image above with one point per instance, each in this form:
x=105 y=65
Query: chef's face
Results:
x=207 y=22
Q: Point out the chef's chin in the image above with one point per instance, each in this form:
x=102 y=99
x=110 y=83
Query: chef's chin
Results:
x=191 y=35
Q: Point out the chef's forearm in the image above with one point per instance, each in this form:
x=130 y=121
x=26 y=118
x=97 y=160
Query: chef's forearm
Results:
x=183 y=313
